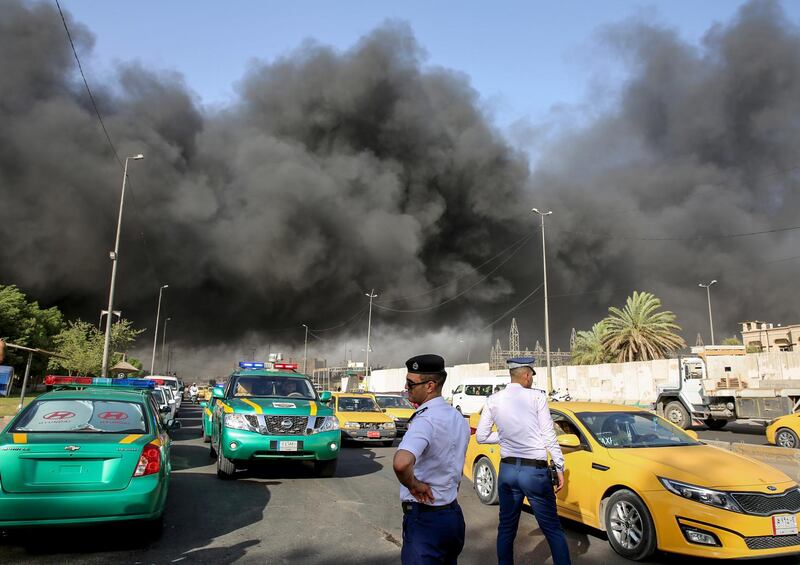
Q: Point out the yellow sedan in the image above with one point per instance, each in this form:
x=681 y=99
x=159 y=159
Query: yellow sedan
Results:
x=361 y=419
x=785 y=431
x=650 y=486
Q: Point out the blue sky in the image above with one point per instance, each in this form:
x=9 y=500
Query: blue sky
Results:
x=526 y=59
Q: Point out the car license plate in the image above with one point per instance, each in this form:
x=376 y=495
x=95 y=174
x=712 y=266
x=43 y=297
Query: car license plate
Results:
x=287 y=446
x=373 y=434
x=784 y=525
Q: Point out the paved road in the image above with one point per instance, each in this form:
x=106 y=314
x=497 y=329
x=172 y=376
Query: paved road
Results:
x=740 y=431
x=285 y=515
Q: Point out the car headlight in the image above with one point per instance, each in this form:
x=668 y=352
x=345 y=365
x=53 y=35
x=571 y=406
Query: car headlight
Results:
x=702 y=495
x=351 y=425
x=238 y=422
x=388 y=426
x=329 y=424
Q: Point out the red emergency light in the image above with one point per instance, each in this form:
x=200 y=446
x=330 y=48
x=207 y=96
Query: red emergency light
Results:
x=51 y=380
x=291 y=366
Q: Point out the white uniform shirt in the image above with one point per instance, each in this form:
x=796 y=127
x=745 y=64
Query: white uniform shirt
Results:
x=438 y=437
x=524 y=425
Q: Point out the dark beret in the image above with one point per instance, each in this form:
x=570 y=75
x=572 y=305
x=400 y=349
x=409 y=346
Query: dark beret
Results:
x=428 y=363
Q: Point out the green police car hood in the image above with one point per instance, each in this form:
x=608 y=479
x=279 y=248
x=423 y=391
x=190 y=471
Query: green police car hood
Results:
x=275 y=406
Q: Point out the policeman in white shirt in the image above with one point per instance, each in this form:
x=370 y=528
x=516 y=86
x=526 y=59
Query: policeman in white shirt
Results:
x=526 y=436
x=428 y=463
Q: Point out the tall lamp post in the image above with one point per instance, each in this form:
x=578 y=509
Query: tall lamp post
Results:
x=305 y=350
x=546 y=314
x=710 y=319
x=155 y=336
x=114 y=260
x=117 y=313
x=371 y=296
x=164 y=341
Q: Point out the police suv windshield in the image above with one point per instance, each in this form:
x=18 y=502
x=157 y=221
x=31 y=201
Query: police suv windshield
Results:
x=71 y=416
x=357 y=404
x=274 y=387
x=633 y=430
x=393 y=402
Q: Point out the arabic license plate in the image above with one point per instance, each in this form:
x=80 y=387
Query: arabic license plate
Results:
x=287 y=446
x=373 y=434
x=784 y=525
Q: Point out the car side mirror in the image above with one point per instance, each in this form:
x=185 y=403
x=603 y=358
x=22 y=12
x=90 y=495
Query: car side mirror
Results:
x=173 y=425
x=217 y=393
x=325 y=396
x=692 y=434
x=171 y=401
x=164 y=409
x=569 y=440
x=204 y=405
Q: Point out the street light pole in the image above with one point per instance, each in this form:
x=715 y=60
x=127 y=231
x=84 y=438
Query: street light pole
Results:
x=371 y=295
x=114 y=261
x=546 y=313
x=710 y=319
x=305 y=350
x=155 y=335
x=117 y=313
x=164 y=342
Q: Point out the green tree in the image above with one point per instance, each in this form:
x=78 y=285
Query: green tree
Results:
x=641 y=330
x=733 y=340
x=23 y=322
x=589 y=348
x=81 y=345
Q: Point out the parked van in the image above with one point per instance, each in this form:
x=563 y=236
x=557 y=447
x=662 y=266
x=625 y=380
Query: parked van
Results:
x=470 y=396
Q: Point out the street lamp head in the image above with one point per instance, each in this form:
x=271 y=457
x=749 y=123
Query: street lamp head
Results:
x=712 y=282
x=537 y=211
x=138 y=157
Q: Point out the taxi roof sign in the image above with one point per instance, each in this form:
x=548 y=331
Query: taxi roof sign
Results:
x=251 y=365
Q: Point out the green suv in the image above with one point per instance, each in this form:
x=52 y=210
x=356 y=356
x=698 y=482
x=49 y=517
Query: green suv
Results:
x=266 y=415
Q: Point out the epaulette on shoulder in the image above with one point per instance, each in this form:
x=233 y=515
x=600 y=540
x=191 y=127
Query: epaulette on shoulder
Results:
x=539 y=390
x=415 y=414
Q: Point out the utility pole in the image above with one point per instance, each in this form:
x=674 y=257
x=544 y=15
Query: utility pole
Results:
x=371 y=296
x=163 y=342
x=305 y=350
x=710 y=319
x=155 y=334
x=114 y=260
x=546 y=315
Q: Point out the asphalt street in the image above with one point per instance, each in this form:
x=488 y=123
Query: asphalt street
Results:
x=282 y=514
x=739 y=431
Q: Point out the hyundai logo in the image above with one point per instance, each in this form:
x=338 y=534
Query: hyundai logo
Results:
x=72 y=448
x=286 y=424
x=772 y=488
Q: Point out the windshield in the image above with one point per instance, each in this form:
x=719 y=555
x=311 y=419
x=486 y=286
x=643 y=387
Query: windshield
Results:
x=69 y=416
x=280 y=387
x=633 y=429
x=393 y=402
x=357 y=404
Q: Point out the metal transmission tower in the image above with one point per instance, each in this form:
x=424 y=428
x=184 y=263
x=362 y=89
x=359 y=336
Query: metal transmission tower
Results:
x=699 y=341
x=513 y=336
x=572 y=337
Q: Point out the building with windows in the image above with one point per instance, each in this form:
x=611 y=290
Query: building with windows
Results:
x=760 y=336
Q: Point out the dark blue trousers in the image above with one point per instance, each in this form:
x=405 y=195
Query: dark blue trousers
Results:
x=432 y=537
x=514 y=484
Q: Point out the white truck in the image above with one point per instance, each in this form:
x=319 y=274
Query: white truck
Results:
x=694 y=397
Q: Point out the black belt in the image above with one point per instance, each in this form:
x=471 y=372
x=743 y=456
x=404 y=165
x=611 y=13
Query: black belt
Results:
x=538 y=463
x=410 y=506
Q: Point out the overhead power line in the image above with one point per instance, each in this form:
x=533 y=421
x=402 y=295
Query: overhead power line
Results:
x=686 y=238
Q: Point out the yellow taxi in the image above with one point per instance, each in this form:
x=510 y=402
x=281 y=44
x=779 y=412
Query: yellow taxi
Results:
x=361 y=419
x=397 y=407
x=650 y=485
x=785 y=431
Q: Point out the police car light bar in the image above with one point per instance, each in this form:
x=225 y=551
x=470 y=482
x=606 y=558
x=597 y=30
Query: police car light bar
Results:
x=285 y=365
x=251 y=365
x=54 y=380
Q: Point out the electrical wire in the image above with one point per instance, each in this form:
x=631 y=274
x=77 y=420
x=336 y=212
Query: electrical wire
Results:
x=517 y=305
x=351 y=319
x=687 y=238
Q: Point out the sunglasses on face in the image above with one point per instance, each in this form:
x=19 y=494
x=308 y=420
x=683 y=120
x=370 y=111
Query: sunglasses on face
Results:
x=411 y=384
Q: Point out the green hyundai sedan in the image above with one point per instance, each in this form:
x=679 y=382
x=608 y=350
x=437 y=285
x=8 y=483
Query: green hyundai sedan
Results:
x=268 y=415
x=95 y=450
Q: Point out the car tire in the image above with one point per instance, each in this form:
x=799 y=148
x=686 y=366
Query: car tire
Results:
x=716 y=423
x=325 y=469
x=678 y=415
x=206 y=439
x=387 y=443
x=785 y=437
x=226 y=470
x=484 y=480
x=458 y=409
x=630 y=528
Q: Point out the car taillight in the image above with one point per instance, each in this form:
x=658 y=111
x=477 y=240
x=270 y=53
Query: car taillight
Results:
x=149 y=461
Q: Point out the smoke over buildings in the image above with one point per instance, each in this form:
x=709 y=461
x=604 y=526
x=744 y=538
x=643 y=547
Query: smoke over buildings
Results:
x=335 y=172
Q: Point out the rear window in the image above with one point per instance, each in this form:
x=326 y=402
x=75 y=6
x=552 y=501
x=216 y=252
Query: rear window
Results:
x=93 y=416
x=478 y=390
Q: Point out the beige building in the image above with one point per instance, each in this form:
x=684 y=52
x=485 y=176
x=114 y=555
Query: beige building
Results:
x=766 y=336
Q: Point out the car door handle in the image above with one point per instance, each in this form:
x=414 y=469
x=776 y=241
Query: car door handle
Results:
x=599 y=467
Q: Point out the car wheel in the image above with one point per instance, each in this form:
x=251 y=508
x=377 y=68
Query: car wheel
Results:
x=786 y=438
x=629 y=525
x=678 y=415
x=211 y=451
x=716 y=423
x=388 y=443
x=226 y=470
x=325 y=469
x=458 y=409
x=484 y=479
x=206 y=439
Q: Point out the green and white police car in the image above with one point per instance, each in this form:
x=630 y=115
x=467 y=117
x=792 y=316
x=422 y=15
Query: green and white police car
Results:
x=271 y=412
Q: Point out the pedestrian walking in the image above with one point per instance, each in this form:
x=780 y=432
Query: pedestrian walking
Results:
x=428 y=463
x=526 y=435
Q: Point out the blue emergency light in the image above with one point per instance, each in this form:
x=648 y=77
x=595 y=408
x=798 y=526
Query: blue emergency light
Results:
x=251 y=365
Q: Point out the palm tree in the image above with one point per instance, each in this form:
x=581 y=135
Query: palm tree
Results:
x=641 y=331
x=589 y=348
